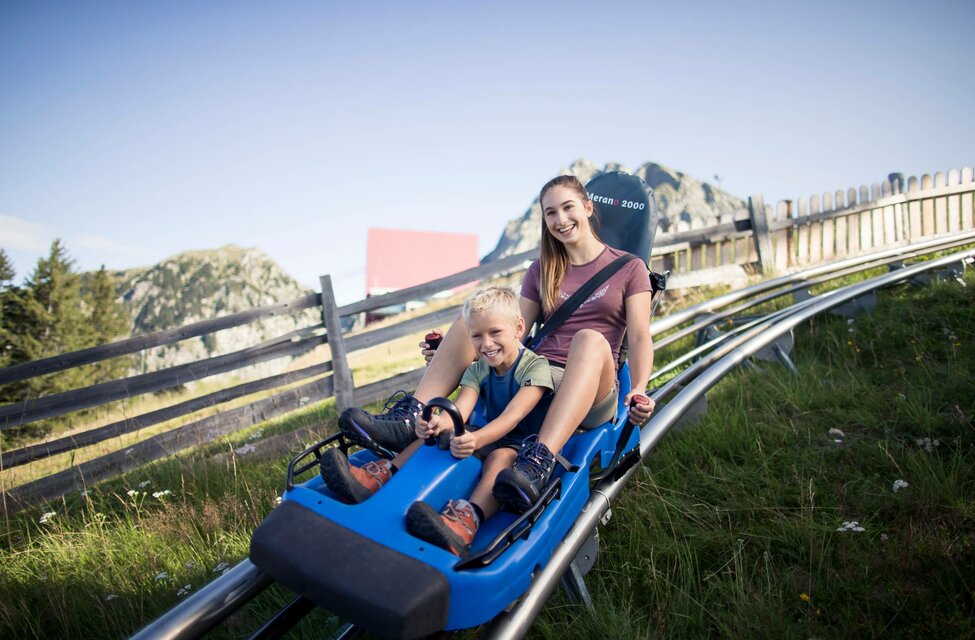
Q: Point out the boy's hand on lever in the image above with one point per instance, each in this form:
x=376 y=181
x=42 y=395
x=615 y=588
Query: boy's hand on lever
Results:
x=463 y=446
x=425 y=429
x=641 y=407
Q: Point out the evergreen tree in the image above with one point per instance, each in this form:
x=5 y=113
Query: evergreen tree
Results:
x=56 y=288
x=7 y=272
x=108 y=322
x=7 y=291
x=46 y=320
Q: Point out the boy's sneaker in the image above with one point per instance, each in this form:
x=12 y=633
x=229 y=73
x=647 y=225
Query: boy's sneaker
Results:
x=519 y=487
x=393 y=428
x=354 y=484
x=452 y=529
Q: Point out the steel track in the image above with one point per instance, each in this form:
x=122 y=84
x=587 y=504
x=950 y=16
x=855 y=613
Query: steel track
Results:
x=210 y=606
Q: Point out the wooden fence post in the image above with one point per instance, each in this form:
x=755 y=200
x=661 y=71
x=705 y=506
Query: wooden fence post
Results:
x=342 y=375
x=760 y=229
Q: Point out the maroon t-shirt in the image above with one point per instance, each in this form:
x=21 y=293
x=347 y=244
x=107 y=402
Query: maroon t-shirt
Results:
x=604 y=311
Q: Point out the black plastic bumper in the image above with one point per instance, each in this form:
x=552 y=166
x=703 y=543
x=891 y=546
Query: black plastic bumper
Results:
x=363 y=582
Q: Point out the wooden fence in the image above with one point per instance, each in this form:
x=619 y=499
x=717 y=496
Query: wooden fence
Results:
x=772 y=239
x=809 y=231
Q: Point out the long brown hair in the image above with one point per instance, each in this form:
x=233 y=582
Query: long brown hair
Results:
x=554 y=259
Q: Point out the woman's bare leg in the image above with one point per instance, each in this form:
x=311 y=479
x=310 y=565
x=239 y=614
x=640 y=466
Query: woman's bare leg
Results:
x=443 y=374
x=589 y=375
x=498 y=460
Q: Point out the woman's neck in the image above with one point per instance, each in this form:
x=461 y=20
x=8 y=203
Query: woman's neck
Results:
x=584 y=251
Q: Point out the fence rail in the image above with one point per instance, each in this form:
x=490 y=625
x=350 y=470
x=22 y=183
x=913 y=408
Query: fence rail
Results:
x=780 y=238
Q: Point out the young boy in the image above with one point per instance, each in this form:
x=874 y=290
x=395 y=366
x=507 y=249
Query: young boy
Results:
x=510 y=381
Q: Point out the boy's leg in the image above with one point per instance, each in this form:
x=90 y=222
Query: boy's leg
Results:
x=499 y=459
x=393 y=427
x=454 y=527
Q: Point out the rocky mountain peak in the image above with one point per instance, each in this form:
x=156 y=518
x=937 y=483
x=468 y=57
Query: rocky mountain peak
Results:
x=198 y=285
x=680 y=198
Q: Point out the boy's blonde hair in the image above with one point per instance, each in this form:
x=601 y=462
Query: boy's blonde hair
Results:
x=498 y=299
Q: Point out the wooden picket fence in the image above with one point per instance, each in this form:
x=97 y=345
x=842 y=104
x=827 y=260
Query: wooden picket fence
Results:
x=809 y=231
x=770 y=239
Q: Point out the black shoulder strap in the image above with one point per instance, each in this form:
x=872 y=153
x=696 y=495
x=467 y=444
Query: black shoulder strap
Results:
x=577 y=298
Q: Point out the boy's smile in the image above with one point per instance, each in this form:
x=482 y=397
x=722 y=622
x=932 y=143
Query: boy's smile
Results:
x=495 y=338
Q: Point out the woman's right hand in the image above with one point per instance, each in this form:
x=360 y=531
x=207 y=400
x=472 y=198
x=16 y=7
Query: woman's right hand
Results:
x=427 y=352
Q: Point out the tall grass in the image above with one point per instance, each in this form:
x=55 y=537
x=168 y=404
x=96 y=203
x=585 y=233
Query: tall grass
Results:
x=737 y=526
x=743 y=526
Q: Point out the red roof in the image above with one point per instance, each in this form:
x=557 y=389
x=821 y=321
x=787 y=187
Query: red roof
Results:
x=397 y=259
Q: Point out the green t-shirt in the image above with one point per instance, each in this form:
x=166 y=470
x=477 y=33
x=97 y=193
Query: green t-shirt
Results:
x=496 y=391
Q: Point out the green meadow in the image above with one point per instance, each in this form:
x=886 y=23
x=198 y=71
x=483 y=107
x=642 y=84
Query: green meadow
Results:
x=836 y=503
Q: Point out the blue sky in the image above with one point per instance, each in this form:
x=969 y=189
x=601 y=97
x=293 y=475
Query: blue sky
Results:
x=136 y=130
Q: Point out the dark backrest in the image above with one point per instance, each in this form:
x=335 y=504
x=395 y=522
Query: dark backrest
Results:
x=627 y=212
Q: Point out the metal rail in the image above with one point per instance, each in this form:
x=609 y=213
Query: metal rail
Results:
x=208 y=607
x=516 y=622
x=678 y=318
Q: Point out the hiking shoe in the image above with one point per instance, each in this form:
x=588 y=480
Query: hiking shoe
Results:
x=452 y=529
x=393 y=428
x=519 y=487
x=353 y=484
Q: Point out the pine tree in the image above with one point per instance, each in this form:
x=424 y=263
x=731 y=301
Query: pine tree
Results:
x=7 y=272
x=7 y=291
x=57 y=288
x=108 y=322
x=48 y=320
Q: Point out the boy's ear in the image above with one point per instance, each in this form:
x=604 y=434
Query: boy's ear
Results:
x=520 y=326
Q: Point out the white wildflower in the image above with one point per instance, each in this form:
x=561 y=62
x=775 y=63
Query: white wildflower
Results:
x=256 y=435
x=162 y=494
x=184 y=590
x=132 y=493
x=243 y=451
x=303 y=400
x=836 y=433
x=221 y=568
x=144 y=484
x=928 y=444
x=190 y=565
x=162 y=575
x=852 y=525
x=898 y=485
x=110 y=597
x=883 y=537
x=277 y=500
x=47 y=517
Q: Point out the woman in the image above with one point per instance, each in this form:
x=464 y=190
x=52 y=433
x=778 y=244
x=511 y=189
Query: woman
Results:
x=584 y=350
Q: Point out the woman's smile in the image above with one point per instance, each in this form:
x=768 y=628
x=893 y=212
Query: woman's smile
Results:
x=566 y=216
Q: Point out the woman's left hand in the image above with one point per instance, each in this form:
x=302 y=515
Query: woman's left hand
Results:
x=639 y=413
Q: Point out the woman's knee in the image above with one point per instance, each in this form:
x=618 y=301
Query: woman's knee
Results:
x=590 y=342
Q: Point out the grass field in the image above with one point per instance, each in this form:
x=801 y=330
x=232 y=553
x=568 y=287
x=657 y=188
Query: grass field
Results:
x=840 y=503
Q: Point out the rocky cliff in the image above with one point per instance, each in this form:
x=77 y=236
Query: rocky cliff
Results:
x=680 y=198
x=201 y=285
